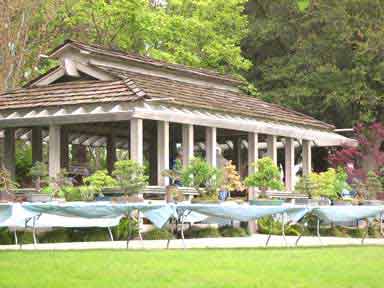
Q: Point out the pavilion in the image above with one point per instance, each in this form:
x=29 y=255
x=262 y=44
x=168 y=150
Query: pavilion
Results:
x=151 y=108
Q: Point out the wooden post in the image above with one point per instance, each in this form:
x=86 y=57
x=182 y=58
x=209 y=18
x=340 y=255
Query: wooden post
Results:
x=54 y=151
x=37 y=145
x=162 y=151
x=307 y=157
x=136 y=133
x=188 y=143
x=64 y=153
x=289 y=163
x=253 y=155
x=210 y=145
x=9 y=151
x=111 y=153
x=272 y=148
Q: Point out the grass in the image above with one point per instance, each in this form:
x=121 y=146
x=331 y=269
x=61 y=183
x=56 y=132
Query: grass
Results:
x=300 y=267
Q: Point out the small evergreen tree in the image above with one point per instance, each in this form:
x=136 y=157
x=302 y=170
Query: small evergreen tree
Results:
x=130 y=176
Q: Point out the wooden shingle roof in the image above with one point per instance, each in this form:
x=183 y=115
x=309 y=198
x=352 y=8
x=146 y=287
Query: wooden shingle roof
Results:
x=135 y=86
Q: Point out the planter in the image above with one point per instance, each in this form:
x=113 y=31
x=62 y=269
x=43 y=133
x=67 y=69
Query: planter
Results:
x=38 y=197
x=128 y=199
x=205 y=201
x=266 y=202
x=173 y=194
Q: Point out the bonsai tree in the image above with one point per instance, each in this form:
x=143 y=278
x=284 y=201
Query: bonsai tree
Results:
x=203 y=177
x=56 y=184
x=6 y=184
x=38 y=171
x=267 y=176
x=175 y=173
x=306 y=186
x=99 y=180
x=130 y=176
x=373 y=185
x=232 y=180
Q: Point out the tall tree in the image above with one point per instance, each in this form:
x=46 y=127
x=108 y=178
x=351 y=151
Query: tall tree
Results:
x=325 y=59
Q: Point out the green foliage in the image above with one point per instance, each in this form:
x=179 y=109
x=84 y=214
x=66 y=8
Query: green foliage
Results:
x=373 y=185
x=208 y=232
x=70 y=193
x=23 y=161
x=305 y=186
x=203 y=177
x=264 y=225
x=158 y=234
x=99 y=180
x=39 y=169
x=230 y=231
x=6 y=182
x=267 y=176
x=121 y=231
x=329 y=184
x=130 y=176
x=174 y=173
x=319 y=57
x=87 y=193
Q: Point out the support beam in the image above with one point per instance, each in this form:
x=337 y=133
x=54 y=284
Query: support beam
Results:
x=307 y=157
x=162 y=151
x=64 y=153
x=272 y=147
x=210 y=145
x=54 y=151
x=253 y=155
x=37 y=145
x=136 y=133
x=289 y=163
x=111 y=152
x=9 y=151
x=188 y=143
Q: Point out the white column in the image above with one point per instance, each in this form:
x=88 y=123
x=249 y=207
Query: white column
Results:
x=188 y=143
x=111 y=152
x=54 y=151
x=272 y=148
x=253 y=155
x=37 y=145
x=307 y=157
x=210 y=145
x=9 y=151
x=289 y=148
x=162 y=152
x=137 y=140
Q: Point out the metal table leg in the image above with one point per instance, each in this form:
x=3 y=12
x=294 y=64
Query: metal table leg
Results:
x=318 y=231
x=270 y=233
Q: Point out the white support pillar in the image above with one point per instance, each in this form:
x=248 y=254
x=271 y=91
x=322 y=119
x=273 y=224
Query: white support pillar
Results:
x=9 y=151
x=54 y=151
x=37 y=145
x=253 y=155
x=188 y=143
x=289 y=163
x=162 y=152
x=272 y=147
x=210 y=145
x=307 y=157
x=111 y=152
x=136 y=133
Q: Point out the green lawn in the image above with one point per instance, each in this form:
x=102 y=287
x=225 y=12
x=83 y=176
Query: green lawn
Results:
x=302 y=267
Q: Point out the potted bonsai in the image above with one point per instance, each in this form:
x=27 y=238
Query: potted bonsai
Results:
x=204 y=178
x=231 y=180
x=56 y=184
x=131 y=179
x=6 y=185
x=267 y=176
x=99 y=181
x=172 y=192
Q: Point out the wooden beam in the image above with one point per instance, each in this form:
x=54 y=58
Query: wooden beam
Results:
x=162 y=151
x=136 y=144
x=289 y=163
x=54 y=151
x=9 y=152
x=210 y=145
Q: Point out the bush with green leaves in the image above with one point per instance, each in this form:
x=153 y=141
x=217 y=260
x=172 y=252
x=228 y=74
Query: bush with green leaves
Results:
x=208 y=232
x=267 y=176
x=203 y=177
x=99 y=180
x=330 y=183
x=39 y=172
x=130 y=176
x=230 y=231
x=158 y=234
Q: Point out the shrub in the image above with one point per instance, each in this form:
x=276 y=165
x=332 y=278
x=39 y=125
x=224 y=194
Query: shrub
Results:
x=229 y=231
x=264 y=225
x=209 y=232
x=267 y=176
x=70 y=193
x=99 y=180
x=120 y=232
x=203 y=177
x=6 y=237
x=158 y=234
x=55 y=236
x=130 y=176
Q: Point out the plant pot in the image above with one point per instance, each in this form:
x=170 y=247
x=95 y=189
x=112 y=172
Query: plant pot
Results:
x=205 y=201
x=266 y=202
x=171 y=193
x=128 y=199
x=38 y=197
x=6 y=196
x=341 y=203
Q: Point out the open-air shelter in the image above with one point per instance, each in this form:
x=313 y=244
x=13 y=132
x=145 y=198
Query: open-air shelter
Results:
x=152 y=109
